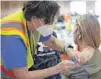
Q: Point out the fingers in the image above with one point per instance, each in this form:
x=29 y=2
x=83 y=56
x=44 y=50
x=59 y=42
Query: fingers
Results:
x=70 y=64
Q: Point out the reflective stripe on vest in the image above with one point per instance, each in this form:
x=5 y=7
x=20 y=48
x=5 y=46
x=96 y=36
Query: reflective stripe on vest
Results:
x=36 y=36
x=14 y=31
x=8 y=74
x=12 y=25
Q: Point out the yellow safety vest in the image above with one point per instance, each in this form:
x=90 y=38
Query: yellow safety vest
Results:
x=15 y=24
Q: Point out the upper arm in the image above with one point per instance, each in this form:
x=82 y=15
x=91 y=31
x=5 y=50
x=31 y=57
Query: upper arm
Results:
x=85 y=56
x=13 y=52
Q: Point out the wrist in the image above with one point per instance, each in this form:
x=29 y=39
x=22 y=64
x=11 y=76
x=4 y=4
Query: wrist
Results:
x=57 y=69
x=60 y=67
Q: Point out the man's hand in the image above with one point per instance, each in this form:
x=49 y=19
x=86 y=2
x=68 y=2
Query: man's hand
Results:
x=40 y=74
x=72 y=55
x=65 y=65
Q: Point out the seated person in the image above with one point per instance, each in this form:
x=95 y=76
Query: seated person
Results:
x=87 y=37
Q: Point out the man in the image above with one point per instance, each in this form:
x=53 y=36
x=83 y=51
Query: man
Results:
x=20 y=33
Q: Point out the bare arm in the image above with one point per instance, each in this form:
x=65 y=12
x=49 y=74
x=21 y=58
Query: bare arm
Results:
x=23 y=73
x=55 y=43
x=84 y=56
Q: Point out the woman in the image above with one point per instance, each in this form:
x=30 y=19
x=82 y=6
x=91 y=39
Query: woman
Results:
x=87 y=37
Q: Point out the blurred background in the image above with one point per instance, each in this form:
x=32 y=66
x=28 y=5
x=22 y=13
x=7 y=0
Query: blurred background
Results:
x=69 y=11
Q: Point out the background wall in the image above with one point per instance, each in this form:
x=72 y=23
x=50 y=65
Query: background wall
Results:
x=8 y=7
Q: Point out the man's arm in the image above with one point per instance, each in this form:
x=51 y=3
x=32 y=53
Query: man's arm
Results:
x=23 y=73
x=54 y=43
x=57 y=44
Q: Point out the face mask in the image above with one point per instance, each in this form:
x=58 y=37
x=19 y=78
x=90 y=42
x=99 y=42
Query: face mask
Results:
x=45 y=30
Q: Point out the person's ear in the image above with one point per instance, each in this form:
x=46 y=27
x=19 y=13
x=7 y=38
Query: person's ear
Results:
x=79 y=36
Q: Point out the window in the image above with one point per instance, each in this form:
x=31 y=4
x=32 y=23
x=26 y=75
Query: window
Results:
x=97 y=7
x=78 y=7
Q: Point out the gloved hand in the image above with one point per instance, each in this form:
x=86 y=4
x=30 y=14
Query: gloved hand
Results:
x=70 y=52
x=68 y=49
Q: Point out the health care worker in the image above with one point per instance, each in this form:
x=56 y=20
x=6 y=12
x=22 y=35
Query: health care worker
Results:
x=20 y=33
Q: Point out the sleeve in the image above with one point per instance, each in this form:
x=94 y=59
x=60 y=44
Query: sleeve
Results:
x=43 y=39
x=54 y=34
x=13 y=52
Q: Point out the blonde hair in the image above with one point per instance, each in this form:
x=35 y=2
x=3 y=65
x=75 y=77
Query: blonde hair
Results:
x=89 y=29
